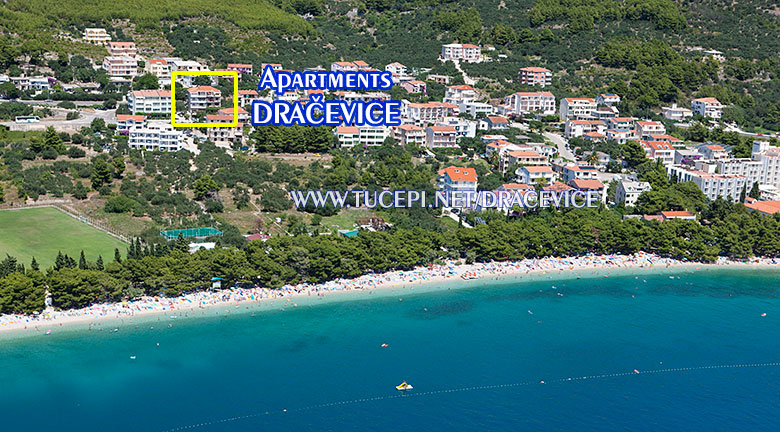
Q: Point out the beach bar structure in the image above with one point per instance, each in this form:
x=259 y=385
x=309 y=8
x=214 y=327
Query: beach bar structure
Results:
x=191 y=233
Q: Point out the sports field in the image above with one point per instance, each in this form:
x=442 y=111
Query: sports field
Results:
x=42 y=232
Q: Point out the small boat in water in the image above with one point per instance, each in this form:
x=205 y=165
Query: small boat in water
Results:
x=404 y=386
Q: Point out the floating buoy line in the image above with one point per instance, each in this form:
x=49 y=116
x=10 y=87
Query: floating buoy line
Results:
x=472 y=388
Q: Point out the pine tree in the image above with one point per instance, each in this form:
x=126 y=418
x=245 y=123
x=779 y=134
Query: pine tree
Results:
x=99 y=263
x=755 y=192
x=34 y=265
x=743 y=194
x=181 y=244
x=101 y=174
x=52 y=140
x=60 y=262
x=117 y=256
x=83 y=262
x=70 y=262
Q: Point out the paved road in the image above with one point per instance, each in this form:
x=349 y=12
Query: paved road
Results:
x=60 y=124
x=560 y=142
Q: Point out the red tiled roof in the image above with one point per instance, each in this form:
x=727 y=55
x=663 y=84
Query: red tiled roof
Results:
x=459 y=173
x=587 y=184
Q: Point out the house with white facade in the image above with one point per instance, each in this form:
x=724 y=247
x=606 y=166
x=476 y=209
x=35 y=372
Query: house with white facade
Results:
x=576 y=108
x=157 y=135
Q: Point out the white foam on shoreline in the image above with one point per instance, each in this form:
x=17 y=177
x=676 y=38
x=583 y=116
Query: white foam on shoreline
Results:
x=422 y=279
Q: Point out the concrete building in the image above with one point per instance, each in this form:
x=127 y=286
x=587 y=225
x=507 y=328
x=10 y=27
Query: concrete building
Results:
x=628 y=191
x=608 y=99
x=535 y=174
x=202 y=97
x=157 y=135
x=458 y=179
x=676 y=113
x=223 y=135
x=440 y=137
x=535 y=76
x=121 y=49
x=645 y=129
x=713 y=185
x=409 y=133
x=120 y=66
x=149 y=101
x=159 y=68
x=364 y=136
x=126 y=121
x=521 y=103
x=707 y=107
x=414 y=86
x=465 y=52
x=576 y=108
x=96 y=36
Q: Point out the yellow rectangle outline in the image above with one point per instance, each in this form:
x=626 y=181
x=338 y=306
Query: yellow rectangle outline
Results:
x=218 y=73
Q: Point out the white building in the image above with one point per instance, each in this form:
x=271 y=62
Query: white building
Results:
x=126 y=121
x=476 y=109
x=149 y=101
x=712 y=185
x=202 y=97
x=441 y=137
x=535 y=76
x=409 y=133
x=645 y=129
x=578 y=128
x=608 y=99
x=707 y=107
x=423 y=113
x=676 y=113
x=769 y=158
x=712 y=151
x=397 y=69
x=576 y=108
x=463 y=127
x=628 y=191
x=157 y=135
x=121 y=49
x=530 y=102
x=223 y=135
x=535 y=174
x=460 y=94
x=120 y=66
x=96 y=36
x=751 y=169
x=364 y=136
x=465 y=52
x=159 y=68
x=458 y=179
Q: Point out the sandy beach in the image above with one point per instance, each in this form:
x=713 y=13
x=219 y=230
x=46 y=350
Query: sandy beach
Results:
x=431 y=277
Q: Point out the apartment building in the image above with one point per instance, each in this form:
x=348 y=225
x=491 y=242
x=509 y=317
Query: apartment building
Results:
x=579 y=128
x=157 y=135
x=241 y=68
x=441 y=137
x=458 y=179
x=607 y=99
x=364 y=136
x=769 y=158
x=460 y=94
x=121 y=49
x=223 y=135
x=466 y=52
x=628 y=191
x=120 y=66
x=535 y=174
x=159 y=68
x=414 y=86
x=276 y=67
x=524 y=157
x=353 y=66
x=126 y=121
x=521 y=103
x=644 y=129
x=726 y=186
x=202 y=97
x=751 y=169
x=243 y=115
x=578 y=172
x=149 y=101
x=712 y=151
x=96 y=36
x=707 y=107
x=676 y=113
x=620 y=129
x=535 y=76
x=576 y=108
x=409 y=133
x=660 y=151
x=397 y=69
x=423 y=113
x=246 y=97
x=463 y=127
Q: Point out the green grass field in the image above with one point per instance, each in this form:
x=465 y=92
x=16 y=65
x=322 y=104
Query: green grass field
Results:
x=42 y=232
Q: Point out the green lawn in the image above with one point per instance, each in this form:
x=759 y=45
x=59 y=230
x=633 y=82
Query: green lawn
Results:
x=42 y=232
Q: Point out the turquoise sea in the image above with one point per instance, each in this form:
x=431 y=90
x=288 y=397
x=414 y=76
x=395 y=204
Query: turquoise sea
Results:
x=476 y=354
